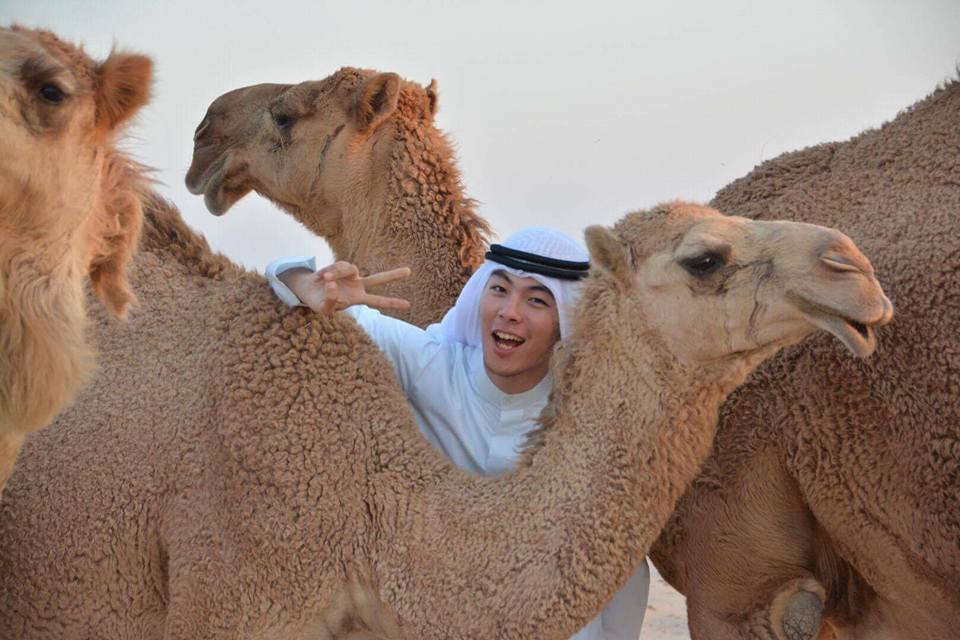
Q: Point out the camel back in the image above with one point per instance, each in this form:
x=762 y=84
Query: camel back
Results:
x=165 y=233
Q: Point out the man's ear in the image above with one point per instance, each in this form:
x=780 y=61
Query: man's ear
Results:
x=376 y=101
x=433 y=96
x=122 y=87
x=608 y=254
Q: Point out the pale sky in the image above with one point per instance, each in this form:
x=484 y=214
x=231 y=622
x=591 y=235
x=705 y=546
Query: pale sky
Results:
x=563 y=113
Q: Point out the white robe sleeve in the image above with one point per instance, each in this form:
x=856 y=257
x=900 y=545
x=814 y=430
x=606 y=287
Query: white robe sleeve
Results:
x=411 y=350
x=622 y=618
x=278 y=266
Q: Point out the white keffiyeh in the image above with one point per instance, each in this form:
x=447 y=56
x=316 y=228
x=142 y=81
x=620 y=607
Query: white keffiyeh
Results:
x=462 y=321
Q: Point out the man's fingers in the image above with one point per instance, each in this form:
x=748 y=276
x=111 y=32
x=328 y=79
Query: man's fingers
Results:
x=340 y=270
x=384 y=302
x=384 y=277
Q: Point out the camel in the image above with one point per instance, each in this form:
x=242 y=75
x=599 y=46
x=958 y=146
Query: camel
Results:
x=809 y=577
x=829 y=507
x=357 y=159
x=284 y=464
x=71 y=208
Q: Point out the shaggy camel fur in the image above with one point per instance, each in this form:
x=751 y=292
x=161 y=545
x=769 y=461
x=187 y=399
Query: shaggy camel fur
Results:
x=285 y=463
x=244 y=113
x=357 y=159
x=830 y=504
x=70 y=207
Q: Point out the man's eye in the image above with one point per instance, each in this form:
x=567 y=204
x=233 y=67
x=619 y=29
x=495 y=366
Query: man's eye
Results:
x=539 y=302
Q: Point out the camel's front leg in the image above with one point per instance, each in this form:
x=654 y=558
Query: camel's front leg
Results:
x=793 y=612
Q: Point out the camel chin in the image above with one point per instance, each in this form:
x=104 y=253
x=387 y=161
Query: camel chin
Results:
x=854 y=328
x=224 y=189
x=859 y=338
x=222 y=185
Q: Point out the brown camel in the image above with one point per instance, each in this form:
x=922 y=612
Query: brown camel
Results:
x=70 y=208
x=831 y=503
x=357 y=159
x=283 y=463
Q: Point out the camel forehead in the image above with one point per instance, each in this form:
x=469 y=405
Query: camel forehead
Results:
x=677 y=225
x=247 y=97
x=47 y=52
x=343 y=80
x=664 y=227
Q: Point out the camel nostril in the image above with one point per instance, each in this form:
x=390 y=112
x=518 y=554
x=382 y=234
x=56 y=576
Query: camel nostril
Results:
x=887 y=312
x=201 y=128
x=838 y=262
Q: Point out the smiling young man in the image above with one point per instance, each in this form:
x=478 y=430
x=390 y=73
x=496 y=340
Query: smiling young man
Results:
x=478 y=380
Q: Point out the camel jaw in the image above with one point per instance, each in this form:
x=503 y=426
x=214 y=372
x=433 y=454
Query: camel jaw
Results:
x=858 y=337
x=222 y=185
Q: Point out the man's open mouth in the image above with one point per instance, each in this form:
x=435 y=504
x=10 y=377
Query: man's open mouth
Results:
x=506 y=341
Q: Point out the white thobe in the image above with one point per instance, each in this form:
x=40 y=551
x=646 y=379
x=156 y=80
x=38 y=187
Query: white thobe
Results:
x=478 y=426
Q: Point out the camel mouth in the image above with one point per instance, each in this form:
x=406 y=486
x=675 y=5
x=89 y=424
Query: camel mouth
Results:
x=857 y=336
x=222 y=185
x=198 y=186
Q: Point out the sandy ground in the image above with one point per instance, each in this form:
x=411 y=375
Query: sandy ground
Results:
x=666 y=617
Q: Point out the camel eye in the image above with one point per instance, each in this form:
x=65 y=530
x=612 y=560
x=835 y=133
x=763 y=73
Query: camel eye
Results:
x=282 y=120
x=702 y=264
x=52 y=93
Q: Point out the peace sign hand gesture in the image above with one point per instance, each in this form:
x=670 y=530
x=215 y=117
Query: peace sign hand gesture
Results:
x=338 y=286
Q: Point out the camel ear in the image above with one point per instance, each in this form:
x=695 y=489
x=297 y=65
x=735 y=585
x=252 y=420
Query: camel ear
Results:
x=116 y=235
x=608 y=253
x=123 y=86
x=376 y=100
x=433 y=96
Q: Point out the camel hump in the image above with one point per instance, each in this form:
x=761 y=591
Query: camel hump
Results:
x=166 y=233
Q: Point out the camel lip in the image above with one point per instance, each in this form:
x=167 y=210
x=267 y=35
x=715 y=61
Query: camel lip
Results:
x=216 y=181
x=857 y=336
x=201 y=184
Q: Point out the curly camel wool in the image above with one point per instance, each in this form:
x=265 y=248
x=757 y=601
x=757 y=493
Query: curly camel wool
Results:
x=831 y=502
x=770 y=527
x=284 y=465
x=69 y=207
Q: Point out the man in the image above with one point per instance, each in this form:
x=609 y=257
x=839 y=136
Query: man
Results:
x=478 y=380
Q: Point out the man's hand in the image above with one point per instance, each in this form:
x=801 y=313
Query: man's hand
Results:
x=338 y=286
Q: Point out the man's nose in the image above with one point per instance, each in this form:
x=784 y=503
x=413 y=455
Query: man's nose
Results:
x=510 y=309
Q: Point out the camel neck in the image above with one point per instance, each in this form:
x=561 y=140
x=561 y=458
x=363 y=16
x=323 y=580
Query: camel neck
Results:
x=42 y=325
x=626 y=431
x=431 y=225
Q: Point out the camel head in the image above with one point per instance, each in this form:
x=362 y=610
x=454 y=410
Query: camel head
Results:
x=716 y=287
x=307 y=146
x=64 y=190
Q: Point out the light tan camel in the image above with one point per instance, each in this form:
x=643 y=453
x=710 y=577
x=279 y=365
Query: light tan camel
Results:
x=357 y=159
x=69 y=207
x=831 y=503
x=284 y=462
x=748 y=524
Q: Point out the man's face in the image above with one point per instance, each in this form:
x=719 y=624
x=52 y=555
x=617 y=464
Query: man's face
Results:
x=520 y=324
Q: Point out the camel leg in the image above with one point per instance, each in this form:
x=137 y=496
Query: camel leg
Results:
x=10 y=444
x=796 y=611
x=357 y=613
x=750 y=566
x=793 y=612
